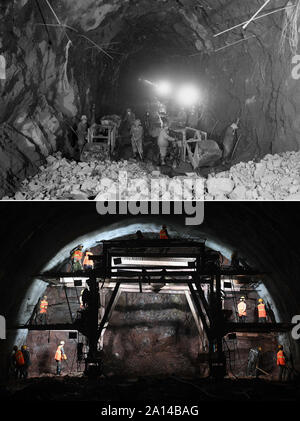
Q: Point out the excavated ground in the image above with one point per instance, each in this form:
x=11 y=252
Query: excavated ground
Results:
x=148 y=389
x=275 y=177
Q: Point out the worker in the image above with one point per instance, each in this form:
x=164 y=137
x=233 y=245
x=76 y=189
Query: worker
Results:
x=262 y=314
x=163 y=142
x=81 y=300
x=137 y=133
x=281 y=362
x=253 y=361
x=139 y=235
x=163 y=235
x=27 y=361
x=85 y=297
x=242 y=310
x=128 y=121
x=87 y=262
x=82 y=131
x=229 y=142
x=59 y=357
x=43 y=310
x=19 y=361
x=76 y=258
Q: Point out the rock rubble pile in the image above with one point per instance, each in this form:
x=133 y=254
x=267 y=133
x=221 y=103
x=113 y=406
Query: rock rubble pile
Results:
x=275 y=177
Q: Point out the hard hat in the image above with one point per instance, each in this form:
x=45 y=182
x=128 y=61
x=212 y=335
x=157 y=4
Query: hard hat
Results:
x=15 y=348
x=45 y=296
x=280 y=347
x=242 y=298
x=260 y=300
x=24 y=347
x=259 y=348
x=62 y=342
x=234 y=126
x=83 y=117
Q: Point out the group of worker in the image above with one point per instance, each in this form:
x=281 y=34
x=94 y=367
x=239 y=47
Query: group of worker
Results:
x=261 y=310
x=20 y=360
x=81 y=260
x=254 y=360
x=136 y=130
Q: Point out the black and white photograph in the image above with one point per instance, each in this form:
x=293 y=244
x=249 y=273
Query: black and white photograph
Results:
x=149 y=205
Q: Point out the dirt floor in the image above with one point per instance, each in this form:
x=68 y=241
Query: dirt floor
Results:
x=150 y=389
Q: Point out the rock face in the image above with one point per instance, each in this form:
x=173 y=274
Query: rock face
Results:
x=54 y=74
x=275 y=177
x=148 y=333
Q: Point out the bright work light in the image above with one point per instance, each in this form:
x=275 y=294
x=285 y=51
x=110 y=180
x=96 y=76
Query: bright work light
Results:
x=188 y=95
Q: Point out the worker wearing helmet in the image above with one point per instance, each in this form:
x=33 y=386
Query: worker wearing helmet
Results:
x=253 y=361
x=137 y=133
x=281 y=363
x=242 y=310
x=43 y=310
x=27 y=362
x=262 y=313
x=18 y=361
x=82 y=132
x=76 y=258
x=163 y=142
x=59 y=356
x=87 y=262
x=163 y=235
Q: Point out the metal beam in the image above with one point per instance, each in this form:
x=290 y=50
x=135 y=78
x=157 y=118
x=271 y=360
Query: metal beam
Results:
x=108 y=309
x=199 y=309
x=257 y=327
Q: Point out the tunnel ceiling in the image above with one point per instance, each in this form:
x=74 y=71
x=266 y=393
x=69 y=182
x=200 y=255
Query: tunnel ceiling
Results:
x=55 y=74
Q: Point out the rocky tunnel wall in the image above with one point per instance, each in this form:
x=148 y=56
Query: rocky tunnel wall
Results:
x=33 y=235
x=53 y=73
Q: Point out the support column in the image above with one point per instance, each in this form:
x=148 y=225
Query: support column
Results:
x=93 y=308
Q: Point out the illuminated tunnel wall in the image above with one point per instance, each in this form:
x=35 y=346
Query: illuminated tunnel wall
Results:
x=38 y=235
x=52 y=77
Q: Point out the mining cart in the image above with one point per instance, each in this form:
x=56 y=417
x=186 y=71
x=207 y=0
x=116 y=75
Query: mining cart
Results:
x=101 y=140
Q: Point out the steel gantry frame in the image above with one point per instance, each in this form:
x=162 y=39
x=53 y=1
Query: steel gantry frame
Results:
x=204 y=269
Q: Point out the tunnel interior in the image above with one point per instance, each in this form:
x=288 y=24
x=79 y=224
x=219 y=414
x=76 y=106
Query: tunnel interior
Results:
x=62 y=59
x=259 y=233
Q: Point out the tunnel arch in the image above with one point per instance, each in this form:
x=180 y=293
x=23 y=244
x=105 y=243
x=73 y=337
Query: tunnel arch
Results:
x=246 y=73
x=34 y=235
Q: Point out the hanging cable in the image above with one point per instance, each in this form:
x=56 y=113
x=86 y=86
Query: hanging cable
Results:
x=43 y=19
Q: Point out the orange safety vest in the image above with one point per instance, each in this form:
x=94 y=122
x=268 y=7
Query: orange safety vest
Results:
x=19 y=358
x=86 y=260
x=261 y=310
x=163 y=234
x=77 y=255
x=59 y=355
x=242 y=309
x=280 y=358
x=43 y=307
